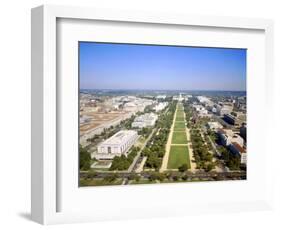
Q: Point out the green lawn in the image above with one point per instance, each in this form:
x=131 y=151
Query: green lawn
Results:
x=99 y=182
x=180 y=116
x=178 y=156
x=179 y=138
x=180 y=113
x=179 y=125
x=180 y=119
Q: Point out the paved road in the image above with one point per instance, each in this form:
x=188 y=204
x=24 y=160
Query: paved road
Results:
x=138 y=159
x=214 y=146
x=215 y=149
x=200 y=174
x=133 y=165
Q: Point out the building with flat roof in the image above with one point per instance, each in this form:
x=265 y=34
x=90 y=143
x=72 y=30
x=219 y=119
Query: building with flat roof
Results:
x=223 y=109
x=214 y=125
x=161 y=96
x=234 y=143
x=235 y=118
x=243 y=131
x=201 y=110
x=145 y=120
x=178 y=97
x=227 y=136
x=160 y=106
x=117 y=144
x=205 y=101
x=237 y=149
x=230 y=119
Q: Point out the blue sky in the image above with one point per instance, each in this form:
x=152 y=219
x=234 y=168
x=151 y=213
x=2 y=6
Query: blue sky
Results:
x=126 y=66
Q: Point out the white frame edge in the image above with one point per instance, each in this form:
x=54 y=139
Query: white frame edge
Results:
x=43 y=87
x=37 y=115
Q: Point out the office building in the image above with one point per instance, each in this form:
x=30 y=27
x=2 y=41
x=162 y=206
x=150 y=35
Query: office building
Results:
x=227 y=137
x=214 y=125
x=160 y=106
x=224 y=109
x=145 y=120
x=230 y=119
x=117 y=144
x=243 y=131
x=237 y=149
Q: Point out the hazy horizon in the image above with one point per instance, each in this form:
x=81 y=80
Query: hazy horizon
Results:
x=108 y=66
x=166 y=89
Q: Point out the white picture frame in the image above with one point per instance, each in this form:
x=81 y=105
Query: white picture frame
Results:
x=46 y=183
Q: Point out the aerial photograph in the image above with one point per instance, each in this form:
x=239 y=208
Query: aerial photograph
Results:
x=153 y=114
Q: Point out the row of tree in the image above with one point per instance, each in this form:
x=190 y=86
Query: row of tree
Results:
x=145 y=132
x=155 y=149
x=84 y=159
x=232 y=161
x=202 y=156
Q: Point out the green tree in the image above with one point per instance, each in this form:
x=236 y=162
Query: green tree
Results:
x=111 y=177
x=134 y=177
x=209 y=167
x=183 y=168
x=85 y=159
x=184 y=177
x=156 y=176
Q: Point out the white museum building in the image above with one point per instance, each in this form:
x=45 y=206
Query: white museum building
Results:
x=145 y=120
x=117 y=144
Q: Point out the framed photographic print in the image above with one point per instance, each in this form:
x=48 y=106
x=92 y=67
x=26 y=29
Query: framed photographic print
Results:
x=132 y=110
x=181 y=118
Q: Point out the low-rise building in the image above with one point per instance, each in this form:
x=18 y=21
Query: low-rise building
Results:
x=145 y=120
x=235 y=118
x=214 y=110
x=186 y=97
x=160 y=106
x=201 y=110
x=237 y=149
x=224 y=109
x=202 y=99
x=205 y=101
x=161 y=96
x=117 y=144
x=178 y=97
x=214 y=125
x=227 y=137
x=237 y=139
x=244 y=158
x=130 y=106
x=234 y=143
x=243 y=131
x=230 y=119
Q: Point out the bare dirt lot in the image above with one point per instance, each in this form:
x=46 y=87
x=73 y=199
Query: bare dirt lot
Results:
x=98 y=119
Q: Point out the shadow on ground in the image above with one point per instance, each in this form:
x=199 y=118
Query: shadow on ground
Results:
x=25 y=215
